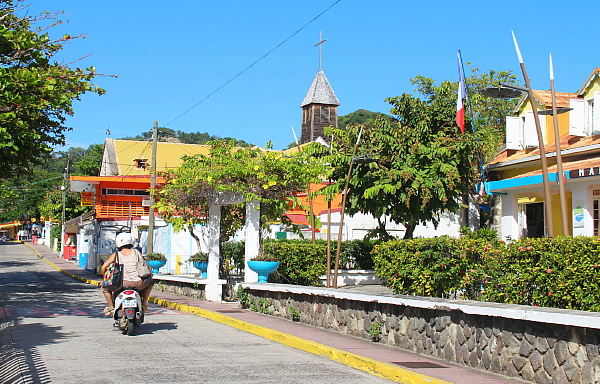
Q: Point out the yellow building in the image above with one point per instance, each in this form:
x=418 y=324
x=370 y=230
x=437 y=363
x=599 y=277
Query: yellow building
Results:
x=517 y=174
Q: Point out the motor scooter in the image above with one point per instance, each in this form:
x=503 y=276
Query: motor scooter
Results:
x=128 y=312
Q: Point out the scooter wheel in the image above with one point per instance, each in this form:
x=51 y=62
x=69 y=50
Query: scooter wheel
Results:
x=130 y=328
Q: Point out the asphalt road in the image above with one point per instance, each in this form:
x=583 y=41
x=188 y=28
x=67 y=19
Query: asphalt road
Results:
x=52 y=330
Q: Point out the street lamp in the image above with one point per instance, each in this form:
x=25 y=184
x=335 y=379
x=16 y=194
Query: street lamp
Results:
x=527 y=88
x=509 y=91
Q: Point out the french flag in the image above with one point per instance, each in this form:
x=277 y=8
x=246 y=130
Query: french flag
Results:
x=460 y=105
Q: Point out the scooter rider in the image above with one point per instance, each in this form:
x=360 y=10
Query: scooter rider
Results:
x=128 y=257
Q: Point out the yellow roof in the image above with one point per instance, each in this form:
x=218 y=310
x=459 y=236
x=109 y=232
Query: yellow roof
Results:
x=168 y=155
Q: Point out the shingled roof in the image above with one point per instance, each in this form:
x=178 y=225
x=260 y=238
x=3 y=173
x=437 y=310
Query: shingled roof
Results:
x=320 y=92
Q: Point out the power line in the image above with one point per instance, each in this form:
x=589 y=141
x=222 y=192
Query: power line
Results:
x=251 y=65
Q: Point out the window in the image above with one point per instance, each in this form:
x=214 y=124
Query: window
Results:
x=141 y=163
x=589 y=116
x=324 y=114
x=125 y=192
x=596 y=217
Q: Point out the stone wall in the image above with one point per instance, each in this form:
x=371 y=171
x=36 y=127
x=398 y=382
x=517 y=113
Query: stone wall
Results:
x=535 y=351
x=180 y=288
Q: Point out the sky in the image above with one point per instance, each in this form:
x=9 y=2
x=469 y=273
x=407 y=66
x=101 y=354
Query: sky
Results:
x=170 y=56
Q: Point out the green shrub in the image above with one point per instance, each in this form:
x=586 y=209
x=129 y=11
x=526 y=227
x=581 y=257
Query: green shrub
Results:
x=300 y=262
x=561 y=272
x=233 y=254
x=55 y=232
x=357 y=253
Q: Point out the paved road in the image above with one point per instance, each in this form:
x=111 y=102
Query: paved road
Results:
x=52 y=331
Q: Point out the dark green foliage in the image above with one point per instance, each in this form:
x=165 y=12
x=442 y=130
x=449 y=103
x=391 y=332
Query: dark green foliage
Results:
x=300 y=262
x=168 y=134
x=233 y=254
x=360 y=116
x=55 y=232
x=37 y=194
x=37 y=91
x=358 y=253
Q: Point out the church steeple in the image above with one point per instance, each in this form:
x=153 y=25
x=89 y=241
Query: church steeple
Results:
x=319 y=107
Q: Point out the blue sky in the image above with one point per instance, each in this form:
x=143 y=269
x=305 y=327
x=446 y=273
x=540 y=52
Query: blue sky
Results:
x=171 y=55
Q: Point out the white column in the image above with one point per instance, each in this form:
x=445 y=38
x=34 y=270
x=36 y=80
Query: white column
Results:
x=510 y=211
x=212 y=288
x=252 y=238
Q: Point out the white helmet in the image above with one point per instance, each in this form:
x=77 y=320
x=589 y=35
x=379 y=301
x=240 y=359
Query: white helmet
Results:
x=124 y=239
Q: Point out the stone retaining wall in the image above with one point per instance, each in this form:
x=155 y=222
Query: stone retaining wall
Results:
x=180 y=288
x=536 y=351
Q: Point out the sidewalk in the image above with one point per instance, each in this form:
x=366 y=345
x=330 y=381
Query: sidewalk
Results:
x=385 y=361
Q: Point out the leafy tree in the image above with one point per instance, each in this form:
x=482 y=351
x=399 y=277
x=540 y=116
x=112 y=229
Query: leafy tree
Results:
x=267 y=176
x=36 y=92
x=360 y=116
x=490 y=113
x=38 y=194
x=88 y=164
x=168 y=134
x=422 y=163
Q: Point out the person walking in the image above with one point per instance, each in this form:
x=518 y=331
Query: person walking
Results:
x=34 y=236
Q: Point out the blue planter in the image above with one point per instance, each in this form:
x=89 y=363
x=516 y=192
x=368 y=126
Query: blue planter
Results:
x=263 y=268
x=202 y=266
x=156 y=264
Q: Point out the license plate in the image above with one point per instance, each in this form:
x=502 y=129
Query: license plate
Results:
x=129 y=303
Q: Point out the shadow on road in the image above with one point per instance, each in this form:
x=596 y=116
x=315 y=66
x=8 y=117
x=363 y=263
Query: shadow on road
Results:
x=24 y=365
x=150 y=328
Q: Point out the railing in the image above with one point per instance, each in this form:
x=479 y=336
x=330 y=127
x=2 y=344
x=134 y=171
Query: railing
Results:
x=110 y=207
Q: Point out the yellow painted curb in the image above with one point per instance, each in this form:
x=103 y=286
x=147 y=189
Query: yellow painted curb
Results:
x=374 y=367
x=89 y=281
x=366 y=364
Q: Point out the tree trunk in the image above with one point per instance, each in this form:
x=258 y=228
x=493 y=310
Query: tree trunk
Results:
x=410 y=230
x=191 y=230
x=381 y=231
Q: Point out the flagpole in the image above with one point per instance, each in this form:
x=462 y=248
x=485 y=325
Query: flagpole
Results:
x=536 y=118
x=560 y=176
x=479 y=155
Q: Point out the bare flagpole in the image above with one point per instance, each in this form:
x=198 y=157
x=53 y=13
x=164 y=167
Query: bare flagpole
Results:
x=547 y=194
x=560 y=176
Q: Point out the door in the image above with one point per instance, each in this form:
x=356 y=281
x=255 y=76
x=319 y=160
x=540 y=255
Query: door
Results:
x=534 y=219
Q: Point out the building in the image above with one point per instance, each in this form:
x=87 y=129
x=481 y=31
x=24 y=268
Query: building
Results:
x=319 y=109
x=120 y=201
x=517 y=175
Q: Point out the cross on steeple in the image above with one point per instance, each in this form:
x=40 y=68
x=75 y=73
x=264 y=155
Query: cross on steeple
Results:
x=320 y=44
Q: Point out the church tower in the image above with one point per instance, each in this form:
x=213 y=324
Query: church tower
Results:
x=319 y=108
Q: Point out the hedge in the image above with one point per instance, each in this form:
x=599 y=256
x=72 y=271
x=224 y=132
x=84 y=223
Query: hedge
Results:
x=561 y=272
x=301 y=262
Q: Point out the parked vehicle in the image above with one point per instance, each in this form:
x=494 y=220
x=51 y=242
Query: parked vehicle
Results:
x=128 y=313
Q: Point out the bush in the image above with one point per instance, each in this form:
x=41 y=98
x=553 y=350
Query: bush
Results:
x=357 y=253
x=300 y=262
x=55 y=232
x=233 y=254
x=561 y=272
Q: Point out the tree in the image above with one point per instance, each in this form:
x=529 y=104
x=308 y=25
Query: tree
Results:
x=267 y=176
x=38 y=194
x=36 y=92
x=422 y=164
x=168 y=134
x=360 y=116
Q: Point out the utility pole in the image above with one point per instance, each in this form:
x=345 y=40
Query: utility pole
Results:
x=150 y=246
x=64 y=199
